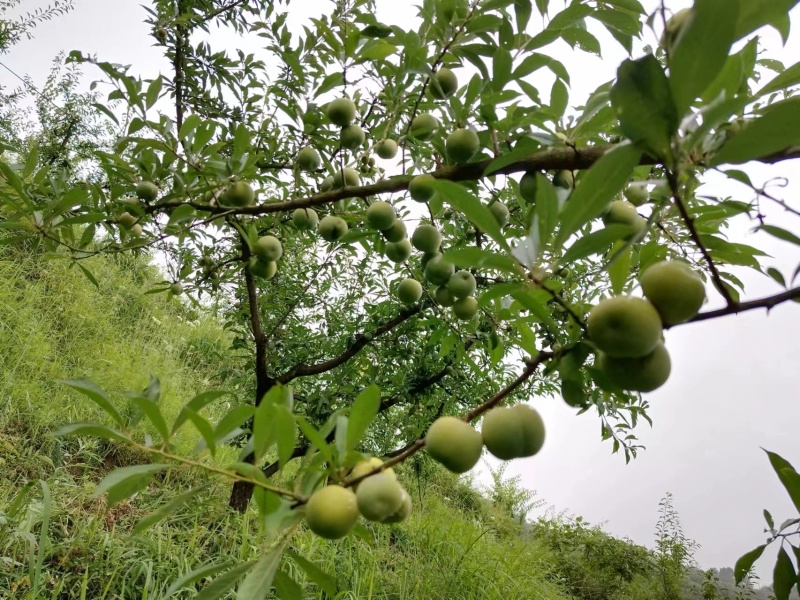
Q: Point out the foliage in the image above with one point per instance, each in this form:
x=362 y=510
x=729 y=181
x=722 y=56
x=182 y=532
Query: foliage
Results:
x=330 y=366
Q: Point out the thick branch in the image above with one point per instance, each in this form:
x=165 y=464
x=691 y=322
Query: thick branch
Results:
x=303 y=370
x=178 y=64
x=739 y=307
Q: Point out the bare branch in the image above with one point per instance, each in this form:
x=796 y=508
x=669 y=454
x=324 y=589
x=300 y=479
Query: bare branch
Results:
x=739 y=307
x=303 y=370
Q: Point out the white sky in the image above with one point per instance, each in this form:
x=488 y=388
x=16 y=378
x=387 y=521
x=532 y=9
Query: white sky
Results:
x=734 y=382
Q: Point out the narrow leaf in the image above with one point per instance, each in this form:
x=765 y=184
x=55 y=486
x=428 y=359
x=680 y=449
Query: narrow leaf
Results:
x=95 y=393
x=462 y=200
x=100 y=431
x=167 y=509
x=364 y=409
x=595 y=242
x=788 y=476
x=259 y=582
x=784 y=576
x=123 y=482
x=194 y=576
x=196 y=404
x=222 y=584
x=326 y=582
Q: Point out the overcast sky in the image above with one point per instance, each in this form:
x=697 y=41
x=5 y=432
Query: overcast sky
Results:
x=733 y=387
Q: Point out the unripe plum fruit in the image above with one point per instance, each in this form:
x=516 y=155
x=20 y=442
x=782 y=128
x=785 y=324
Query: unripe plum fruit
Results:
x=367 y=466
x=443 y=84
x=331 y=228
x=146 y=191
x=379 y=497
x=262 y=268
x=444 y=296
x=381 y=215
x=641 y=374
x=465 y=308
x=461 y=145
x=176 y=289
x=398 y=251
x=461 y=284
x=396 y=233
x=268 y=248
x=332 y=512
x=127 y=220
x=674 y=289
x=621 y=212
x=439 y=270
x=308 y=159
x=341 y=111
x=409 y=291
x=637 y=195
x=352 y=137
x=420 y=188
x=238 y=194
x=624 y=326
x=564 y=179
x=386 y=149
x=347 y=177
x=327 y=184
x=403 y=512
x=426 y=238
x=513 y=432
x=305 y=219
x=527 y=186
x=499 y=212
x=454 y=443
x=424 y=127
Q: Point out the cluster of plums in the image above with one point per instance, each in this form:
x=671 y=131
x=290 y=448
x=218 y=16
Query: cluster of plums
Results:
x=332 y=511
x=627 y=330
x=507 y=432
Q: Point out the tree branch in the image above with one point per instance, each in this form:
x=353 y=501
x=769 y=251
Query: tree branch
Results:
x=178 y=64
x=303 y=370
x=739 y=307
x=672 y=179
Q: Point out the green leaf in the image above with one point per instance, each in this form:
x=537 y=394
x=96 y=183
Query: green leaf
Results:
x=265 y=422
x=757 y=13
x=100 y=431
x=777 y=129
x=789 y=78
x=205 y=429
x=153 y=91
x=546 y=210
x=559 y=97
x=123 y=482
x=194 y=576
x=97 y=395
x=472 y=257
x=701 y=49
x=287 y=588
x=168 y=508
x=259 y=582
x=190 y=123
x=604 y=180
x=462 y=200
x=285 y=433
x=781 y=234
x=314 y=436
x=222 y=584
x=153 y=414
x=196 y=404
x=788 y=476
x=88 y=275
x=232 y=420
x=325 y=582
x=364 y=410
x=377 y=52
x=595 y=242
x=524 y=148
x=642 y=99
x=784 y=576
x=620 y=266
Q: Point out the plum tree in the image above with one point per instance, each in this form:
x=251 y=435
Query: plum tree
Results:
x=381 y=215
x=331 y=228
x=386 y=149
x=513 y=432
x=341 y=112
x=465 y=308
x=379 y=497
x=332 y=511
x=461 y=145
x=454 y=443
x=439 y=270
x=674 y=289
x=426 y=238
x=146 y=191
x=637 y=374
x=268 y=248
x=624 y=326
x=305 y=219
x=420 y=188
x=409 y=291
x=443 y=84
x=423 y=127
x=308 y=159
x=461 y=284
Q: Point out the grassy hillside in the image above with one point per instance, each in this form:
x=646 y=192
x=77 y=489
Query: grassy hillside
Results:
x=58 y=541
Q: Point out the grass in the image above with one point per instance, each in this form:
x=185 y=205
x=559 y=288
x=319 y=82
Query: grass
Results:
x=59 y=541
